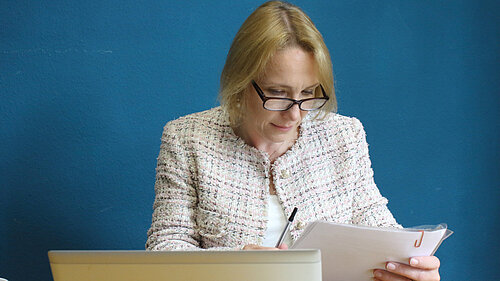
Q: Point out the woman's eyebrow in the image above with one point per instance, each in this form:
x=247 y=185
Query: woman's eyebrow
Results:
x=312 y=86
x=270 y=85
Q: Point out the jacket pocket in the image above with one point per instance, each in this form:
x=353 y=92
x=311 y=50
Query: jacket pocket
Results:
x=211 y=225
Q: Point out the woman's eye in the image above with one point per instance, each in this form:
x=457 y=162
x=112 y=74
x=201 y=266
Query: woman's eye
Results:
x=277 y=92
x=308 y=93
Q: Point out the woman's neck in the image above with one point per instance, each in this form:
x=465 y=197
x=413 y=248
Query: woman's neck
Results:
x=274 y=149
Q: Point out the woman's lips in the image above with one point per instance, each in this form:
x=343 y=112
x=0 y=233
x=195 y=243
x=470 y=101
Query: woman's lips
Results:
x=283 y=128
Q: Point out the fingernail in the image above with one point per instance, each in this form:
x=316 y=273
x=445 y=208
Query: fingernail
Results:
x=391 y=266
x=377 y=273
x=413 y=261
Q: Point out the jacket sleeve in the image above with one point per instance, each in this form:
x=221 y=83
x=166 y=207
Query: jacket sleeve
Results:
x=369 y=207
x=174 y=224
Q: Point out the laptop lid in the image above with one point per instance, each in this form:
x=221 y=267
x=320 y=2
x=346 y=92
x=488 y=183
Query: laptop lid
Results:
x=290 y=265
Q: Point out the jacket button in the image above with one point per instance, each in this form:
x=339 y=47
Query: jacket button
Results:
x=301 y=225
x=285 y=174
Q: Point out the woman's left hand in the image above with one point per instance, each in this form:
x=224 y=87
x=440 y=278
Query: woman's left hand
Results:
x=420 y=268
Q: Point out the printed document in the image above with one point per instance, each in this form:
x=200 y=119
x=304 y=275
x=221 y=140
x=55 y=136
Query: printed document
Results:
x=351 y=252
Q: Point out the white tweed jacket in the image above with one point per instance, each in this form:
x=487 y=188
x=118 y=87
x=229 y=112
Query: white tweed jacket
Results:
x=211 y=187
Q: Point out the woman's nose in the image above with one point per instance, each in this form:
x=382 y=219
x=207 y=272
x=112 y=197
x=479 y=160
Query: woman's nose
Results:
x=293 y=113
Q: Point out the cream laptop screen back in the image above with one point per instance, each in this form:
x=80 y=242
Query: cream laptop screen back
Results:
x=290 y=265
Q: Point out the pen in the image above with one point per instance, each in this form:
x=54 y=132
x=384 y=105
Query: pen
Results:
x=287 y=228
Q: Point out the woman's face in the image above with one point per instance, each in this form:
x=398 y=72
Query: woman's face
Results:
x=292 y=73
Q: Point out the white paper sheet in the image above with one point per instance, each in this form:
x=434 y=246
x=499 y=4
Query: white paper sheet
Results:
x=351 y=252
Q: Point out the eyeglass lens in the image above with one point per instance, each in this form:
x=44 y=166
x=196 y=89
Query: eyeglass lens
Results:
x=283 y=104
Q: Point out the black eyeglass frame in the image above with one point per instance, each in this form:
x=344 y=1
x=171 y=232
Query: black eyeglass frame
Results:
x=299 y=102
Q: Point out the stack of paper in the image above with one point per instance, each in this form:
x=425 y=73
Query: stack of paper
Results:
x=351 y=252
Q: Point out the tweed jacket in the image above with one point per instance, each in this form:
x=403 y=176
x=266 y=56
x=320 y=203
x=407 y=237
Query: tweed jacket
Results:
x=211 y=187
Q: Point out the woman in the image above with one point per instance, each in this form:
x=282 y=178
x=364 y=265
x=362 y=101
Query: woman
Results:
x=228 y=177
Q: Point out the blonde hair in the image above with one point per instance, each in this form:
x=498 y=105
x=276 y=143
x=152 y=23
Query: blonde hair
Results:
x=273 y=26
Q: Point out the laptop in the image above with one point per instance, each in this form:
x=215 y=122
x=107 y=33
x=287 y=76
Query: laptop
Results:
x=290 y=265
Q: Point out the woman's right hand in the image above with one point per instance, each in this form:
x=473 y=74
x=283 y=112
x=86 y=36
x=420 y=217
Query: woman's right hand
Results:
x=257 y=247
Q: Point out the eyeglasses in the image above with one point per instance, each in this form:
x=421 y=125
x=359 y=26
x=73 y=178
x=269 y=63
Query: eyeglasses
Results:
x=283 y=104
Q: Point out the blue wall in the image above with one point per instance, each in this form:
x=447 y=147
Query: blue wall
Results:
x=86 y=87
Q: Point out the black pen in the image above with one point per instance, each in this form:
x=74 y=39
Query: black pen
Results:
x=287 y=228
